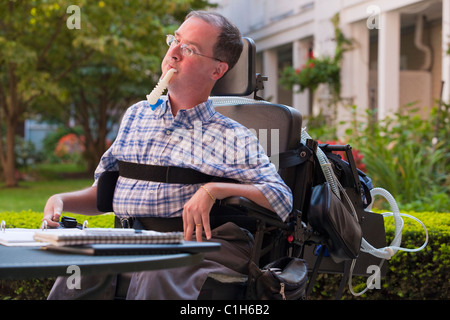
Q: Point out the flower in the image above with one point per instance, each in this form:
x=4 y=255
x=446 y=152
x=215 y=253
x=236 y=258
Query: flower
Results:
x=68 y=145
x=310 y=75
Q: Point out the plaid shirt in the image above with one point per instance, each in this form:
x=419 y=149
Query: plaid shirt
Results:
x=199 y=138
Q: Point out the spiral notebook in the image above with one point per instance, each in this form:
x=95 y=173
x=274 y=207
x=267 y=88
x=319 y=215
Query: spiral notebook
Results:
x=71 y=237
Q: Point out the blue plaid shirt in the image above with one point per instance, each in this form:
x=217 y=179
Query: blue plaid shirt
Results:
x=199 y=138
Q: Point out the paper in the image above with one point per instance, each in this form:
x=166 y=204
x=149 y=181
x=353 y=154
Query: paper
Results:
x=19 y=237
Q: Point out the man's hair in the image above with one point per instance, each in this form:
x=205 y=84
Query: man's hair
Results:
x=229 y=43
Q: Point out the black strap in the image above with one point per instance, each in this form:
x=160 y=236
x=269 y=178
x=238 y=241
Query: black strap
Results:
x=167 y=174
x=293 y=157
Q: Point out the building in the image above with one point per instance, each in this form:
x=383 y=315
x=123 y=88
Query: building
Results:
x=400 y=49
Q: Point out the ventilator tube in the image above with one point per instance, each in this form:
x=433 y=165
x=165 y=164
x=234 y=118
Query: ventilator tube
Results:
x=153 y=97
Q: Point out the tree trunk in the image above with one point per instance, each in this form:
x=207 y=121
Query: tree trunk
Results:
x=11 y=113
x=9 y=163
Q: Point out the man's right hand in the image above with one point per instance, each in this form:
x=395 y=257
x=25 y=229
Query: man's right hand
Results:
x=53 y=210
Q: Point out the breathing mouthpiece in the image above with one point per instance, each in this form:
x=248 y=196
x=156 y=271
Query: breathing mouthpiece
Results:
x=153 y=97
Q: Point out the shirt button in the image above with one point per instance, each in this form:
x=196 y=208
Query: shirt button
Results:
x=168 y=132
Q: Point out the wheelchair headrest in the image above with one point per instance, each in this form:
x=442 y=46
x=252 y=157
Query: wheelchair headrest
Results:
x=241 y=80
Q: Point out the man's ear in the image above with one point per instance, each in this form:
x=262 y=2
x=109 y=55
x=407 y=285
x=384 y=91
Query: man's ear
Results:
x=220 y=70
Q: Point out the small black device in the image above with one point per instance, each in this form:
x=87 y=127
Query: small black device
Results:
x=69 y=222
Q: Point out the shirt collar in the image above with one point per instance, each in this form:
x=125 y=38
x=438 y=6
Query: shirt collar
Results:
x=202 y=112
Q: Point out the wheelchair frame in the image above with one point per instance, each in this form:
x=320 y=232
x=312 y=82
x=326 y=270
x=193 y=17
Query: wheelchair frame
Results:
x=295 y=237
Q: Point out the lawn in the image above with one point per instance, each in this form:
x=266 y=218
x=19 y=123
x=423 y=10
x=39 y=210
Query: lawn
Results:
x=32 y=195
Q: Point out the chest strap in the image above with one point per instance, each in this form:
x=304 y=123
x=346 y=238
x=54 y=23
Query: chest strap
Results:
x=167 y=174
x=170 y=174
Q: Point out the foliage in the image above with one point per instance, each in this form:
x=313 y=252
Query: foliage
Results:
x=69 y=147
x=33 y=219
x=316 y=71
x=408 y=156
x=51 y=141
x=89 y=74
x=313 y=73
x=26 y=153
x=420 y=275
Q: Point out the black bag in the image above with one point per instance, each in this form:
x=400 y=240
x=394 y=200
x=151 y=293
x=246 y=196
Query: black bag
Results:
x=283 y=279
x=329 y=216
x=344 y=174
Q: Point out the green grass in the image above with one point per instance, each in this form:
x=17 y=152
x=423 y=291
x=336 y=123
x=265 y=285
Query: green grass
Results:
x=32 y=195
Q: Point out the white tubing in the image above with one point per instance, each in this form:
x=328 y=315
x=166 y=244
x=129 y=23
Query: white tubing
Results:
x=386 y=253
x=324 y=164
x=153 y=97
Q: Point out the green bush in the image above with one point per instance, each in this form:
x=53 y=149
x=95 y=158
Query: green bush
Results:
x=33 y=220
x=419 y=275
x=38 y=289
x=410 y=276
x=409 y=156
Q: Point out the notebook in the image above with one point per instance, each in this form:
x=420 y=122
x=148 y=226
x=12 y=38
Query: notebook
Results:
x=136 y=249
x=71 y=237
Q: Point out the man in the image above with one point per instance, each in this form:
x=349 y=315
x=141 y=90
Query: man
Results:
x=201 y=51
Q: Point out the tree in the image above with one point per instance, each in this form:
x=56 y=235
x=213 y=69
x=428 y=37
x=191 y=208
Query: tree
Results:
x=23 y=48
x=89 y=61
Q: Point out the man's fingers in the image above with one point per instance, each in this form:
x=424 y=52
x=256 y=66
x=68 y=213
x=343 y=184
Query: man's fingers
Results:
x=207 y=226
x=198 y=232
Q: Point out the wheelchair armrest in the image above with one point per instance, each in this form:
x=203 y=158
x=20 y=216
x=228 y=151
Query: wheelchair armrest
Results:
x=251 y=209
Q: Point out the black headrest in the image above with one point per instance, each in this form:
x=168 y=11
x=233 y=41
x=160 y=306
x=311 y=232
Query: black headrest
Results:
x=241 y=79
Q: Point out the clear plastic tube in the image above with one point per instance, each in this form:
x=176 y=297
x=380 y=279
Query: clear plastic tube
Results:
x=386 y=253
x=324 y=164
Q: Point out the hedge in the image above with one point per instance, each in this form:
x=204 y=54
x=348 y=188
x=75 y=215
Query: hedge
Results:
x=419 y=275
x=411 y=276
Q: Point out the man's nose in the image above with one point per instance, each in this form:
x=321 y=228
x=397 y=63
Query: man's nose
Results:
x=175 y=52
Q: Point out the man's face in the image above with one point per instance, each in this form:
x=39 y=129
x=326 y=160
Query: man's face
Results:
x=194 y=72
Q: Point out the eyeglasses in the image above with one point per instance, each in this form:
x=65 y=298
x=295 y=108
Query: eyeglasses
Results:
x=185 y=50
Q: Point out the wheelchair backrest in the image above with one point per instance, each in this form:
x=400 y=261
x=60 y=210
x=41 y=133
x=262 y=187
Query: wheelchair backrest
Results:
x=277 y=126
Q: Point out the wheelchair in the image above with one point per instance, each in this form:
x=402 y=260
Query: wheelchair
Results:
x=235 y=96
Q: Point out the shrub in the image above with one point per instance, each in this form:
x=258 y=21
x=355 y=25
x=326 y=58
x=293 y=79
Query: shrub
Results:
x=412 y=276
x=408 y=156
x=33 y=220
x=70 y=147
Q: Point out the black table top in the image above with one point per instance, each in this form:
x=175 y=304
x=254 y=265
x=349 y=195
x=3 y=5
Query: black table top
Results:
x=34 y=262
